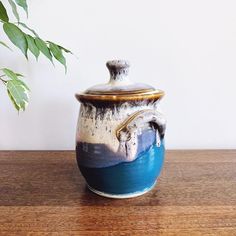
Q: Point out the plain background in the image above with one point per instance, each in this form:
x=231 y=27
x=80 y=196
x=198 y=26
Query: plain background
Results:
x=187 y=48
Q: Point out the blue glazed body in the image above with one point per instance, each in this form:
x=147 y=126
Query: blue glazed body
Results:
x=127 y=177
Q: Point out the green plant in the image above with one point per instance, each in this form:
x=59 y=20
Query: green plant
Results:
x=17 y=90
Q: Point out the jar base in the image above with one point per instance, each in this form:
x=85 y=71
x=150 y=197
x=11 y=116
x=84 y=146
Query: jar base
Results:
x=122 y=196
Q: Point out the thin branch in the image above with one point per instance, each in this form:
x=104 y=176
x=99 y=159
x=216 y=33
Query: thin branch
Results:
x=4 y=81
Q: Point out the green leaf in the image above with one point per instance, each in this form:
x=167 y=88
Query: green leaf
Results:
x=32 y=46
x=42 y=46
x=64 y=49
x=67 y=50
x=13 y=101
x=3 y=13
x=14 y=9
x=18 y=93
x=17 y=89
x=57 y=53
x=9 y=73
x=28 y=28
x=14 y=76
x=23 y=4
x=5 y=45
x=23 y=84
x=19 y=75
x=16 y=36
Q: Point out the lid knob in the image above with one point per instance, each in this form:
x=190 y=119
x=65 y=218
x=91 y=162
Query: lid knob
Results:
x=119 y=70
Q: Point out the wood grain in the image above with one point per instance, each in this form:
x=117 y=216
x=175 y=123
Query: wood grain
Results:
x=43 y=193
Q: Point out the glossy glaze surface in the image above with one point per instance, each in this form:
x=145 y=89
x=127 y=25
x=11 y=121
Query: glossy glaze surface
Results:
x=127 y=177
x=120 y=135
x=100 y=155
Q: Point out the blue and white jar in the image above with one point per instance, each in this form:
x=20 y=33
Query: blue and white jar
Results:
x=120 y=135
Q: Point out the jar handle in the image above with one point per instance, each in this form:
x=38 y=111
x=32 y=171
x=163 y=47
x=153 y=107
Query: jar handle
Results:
x=127 y=133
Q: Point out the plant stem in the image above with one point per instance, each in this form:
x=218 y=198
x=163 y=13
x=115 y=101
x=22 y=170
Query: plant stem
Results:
x=4 y=81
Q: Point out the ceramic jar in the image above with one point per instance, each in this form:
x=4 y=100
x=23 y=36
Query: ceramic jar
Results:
x=120 y=135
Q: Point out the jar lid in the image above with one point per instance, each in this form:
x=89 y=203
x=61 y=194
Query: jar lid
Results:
x=120 y=87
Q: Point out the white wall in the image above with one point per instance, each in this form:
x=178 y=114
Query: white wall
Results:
x=187 y=48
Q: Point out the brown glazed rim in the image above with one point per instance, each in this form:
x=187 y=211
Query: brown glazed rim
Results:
x=156 y=94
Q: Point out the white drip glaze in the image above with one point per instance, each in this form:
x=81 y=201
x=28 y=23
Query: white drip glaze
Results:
x=97 y=128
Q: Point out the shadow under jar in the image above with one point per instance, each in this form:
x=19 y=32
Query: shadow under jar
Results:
x=120 y=135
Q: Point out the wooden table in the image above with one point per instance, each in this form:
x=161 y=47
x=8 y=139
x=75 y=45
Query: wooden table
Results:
x=43 y=193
